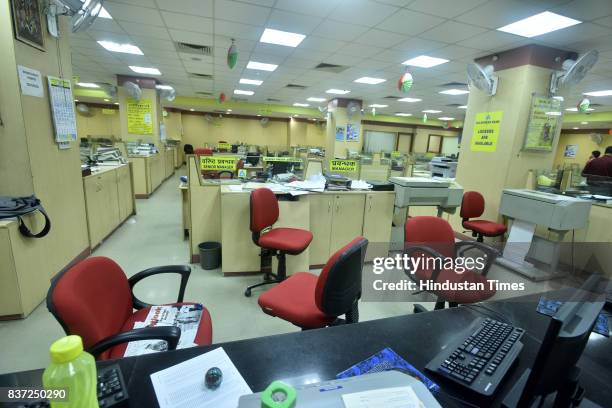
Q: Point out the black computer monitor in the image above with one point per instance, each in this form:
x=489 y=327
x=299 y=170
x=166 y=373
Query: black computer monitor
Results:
x=554 y=369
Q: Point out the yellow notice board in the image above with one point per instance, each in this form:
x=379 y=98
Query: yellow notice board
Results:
x=486 y=131
x=224 y=146
x=140 y=117
x=218 y=162
x=106 y=111
x=544 y=123
x=343 y=166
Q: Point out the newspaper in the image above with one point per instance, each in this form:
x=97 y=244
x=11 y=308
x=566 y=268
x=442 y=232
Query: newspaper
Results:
x=186 y=317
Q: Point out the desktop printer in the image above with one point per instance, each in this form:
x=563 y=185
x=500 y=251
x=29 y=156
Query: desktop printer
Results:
x=441 y=166
x=336 y=181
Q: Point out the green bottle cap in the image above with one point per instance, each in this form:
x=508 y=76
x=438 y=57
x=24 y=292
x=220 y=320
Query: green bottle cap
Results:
x=66 y=349
x=278 y=395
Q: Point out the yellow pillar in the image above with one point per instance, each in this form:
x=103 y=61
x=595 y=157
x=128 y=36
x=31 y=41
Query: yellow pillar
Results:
x=339 y=117
x=137 y=128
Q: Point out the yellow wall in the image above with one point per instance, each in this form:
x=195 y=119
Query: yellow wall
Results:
x=585 y=146
x=306 y=134
x=174 y=125
x=420 y=134
x=97 y=124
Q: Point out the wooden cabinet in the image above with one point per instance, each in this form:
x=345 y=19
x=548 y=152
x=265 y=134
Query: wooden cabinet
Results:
x=347 y=219
x=169 y=163
x=156 y=170
x=109 y=200
x=377 y=223
x=320 y=226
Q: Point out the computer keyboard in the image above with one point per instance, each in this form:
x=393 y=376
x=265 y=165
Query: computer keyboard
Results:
x=480 y=359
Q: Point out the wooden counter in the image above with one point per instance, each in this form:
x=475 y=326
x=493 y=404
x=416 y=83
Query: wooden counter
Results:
x=219 y=214
x=109 y=201
x=148 y=173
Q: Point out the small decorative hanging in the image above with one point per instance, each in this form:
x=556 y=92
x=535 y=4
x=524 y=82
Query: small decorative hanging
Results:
x=221 y=97
x=405 y=82
x=583 y=106
x=445 y=124
x=424 y=118
x=373 y=111
x=232 y=55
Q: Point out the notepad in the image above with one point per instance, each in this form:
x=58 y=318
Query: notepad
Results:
x=398 y=397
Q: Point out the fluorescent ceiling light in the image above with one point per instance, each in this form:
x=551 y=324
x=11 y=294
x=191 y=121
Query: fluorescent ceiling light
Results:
x=369 y=80
x=455 y=92
x=313 y=99
x=462 y=107
x=559 y=98
x=241 y=92
x=431 y=111
x=599 y=93
x=446 y=118
x=245 y=81
x=145 y=70
x=553 y=113
x=278 y=37
x=116 y=103
x=572 y=109
x=539 y=24
x=124 y=48
x=409 y=100
x=337 y=91
x=301 y=104
x=261 y=66
x=76 y=100
x=229 y=110
x=403 y=114
x=377 y=105
x=87 y=85
x=424 y=61
x=165 y=87
x=575 y=128
x=584 y=123
x=106 y=100
x=192 y=109
x=102 y=14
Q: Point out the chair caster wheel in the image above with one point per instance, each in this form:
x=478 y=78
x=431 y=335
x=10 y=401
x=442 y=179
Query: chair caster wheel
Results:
x=247 y=293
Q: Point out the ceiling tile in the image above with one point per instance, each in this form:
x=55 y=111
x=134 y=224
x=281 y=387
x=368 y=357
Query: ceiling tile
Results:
x=580 y=32
x=188 y=23
x=105 y=24
x=190 y=7
x=293 y=22
x=147 y=44
x=585 y=10
x=237 y=30
x=147 y=31
x=320 y=8
x=142 y=15
x=605 y=21
x=451 y=32
x=363 y=12
x=310 y=54
x=445 y=8
x=493 y=40
x=191 y=37
x=384 y=39
x=241 y=12
x=418 y=45
x=456 y=52
x=410 y=22
x=340 y=31
x=322 y=44
x=361 y=50
x=108 y=36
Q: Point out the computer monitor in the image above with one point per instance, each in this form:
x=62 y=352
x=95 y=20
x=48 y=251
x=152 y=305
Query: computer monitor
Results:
x=554 y=369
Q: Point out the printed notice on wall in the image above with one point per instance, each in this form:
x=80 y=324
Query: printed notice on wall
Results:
x=486 y=131
x=544 y=122
x=30 y=81
x=62 y=109
x=139 y=117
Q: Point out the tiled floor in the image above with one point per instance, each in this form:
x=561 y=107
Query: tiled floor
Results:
x=153 y=237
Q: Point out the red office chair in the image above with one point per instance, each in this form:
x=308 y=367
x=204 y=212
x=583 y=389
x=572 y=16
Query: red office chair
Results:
x=203 y=151
x=273 y=241
x=95 y=300
x=312 y=302
x=433 y=238
x=472 y=206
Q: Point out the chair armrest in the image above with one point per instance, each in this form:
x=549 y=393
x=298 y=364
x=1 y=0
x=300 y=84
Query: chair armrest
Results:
x=491 y=252
x=430 y=251
x=182 y=270
x=170 y=334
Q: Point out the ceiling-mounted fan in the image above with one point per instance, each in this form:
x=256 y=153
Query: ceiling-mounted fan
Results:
x=573 y=71
x=133 y=90
x=83 y=13
x=482 y=78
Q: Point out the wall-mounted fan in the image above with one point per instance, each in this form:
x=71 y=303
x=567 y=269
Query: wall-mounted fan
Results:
x=597 y=138
x=323 y=109
x=168 y=94
x=111 y=90
x=83 y=14
x=482 y=78
x=264 y=121
x=574 y=71
x=83 y=109
x=133 y=90
x=208 y=117
x=352 y=108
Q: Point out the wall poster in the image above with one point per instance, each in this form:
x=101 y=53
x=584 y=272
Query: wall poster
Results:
x=486 y=131
x=140 y=116
x=352 y=132
x=543 y=124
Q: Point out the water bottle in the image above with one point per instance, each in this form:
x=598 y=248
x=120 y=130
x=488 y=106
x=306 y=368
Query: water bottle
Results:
x=72 y=369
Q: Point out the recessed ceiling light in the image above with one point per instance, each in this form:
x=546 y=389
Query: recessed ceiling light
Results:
x=124 y=48
x=296 y=115
x=575 y=128
x=599 y=93
x=301 y=104
x=377 y=105
x=192 y=109
x=559 y=98
x=584 y=123
x=116 y=103
x=258 y=114
x=164 y=87
x=369 y=80
x=87 y=85
x=455 y=92
x=313 y=99
x=572 y=109
x=337 y=91
x=145 y=70
x=76 y=100
x=424 y=61
x=241 y=92
x=462 y=107
x=245 y=81
x=106 y=100
x=409 y=100
x=229 y=110
x=431 y=111
x=445 y=118
x=553 y=113
x=403 y=114
x=278 y=37
x=261 y=66
x=539 y=24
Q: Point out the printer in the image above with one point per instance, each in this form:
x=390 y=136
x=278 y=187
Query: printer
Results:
x=441 y=166
x=424 y=191
x=528 y=208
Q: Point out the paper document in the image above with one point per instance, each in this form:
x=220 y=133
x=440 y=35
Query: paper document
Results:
x=519 y=241
x=183 y=385
x=235 y=187
x=398 y=397
x=360 y=185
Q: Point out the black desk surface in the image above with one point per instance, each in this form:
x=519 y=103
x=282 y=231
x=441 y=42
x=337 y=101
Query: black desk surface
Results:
x=321 y=354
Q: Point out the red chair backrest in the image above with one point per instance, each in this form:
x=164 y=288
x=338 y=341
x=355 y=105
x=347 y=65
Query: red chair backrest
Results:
x=473 y=205
x=339 y=284
x=264 y=209
x=433 y=232
x=91 y=299
x=203 y=151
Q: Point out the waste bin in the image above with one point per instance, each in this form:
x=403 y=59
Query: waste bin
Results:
x=210 y=255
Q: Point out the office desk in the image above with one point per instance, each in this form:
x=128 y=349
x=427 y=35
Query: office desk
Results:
x=321 y=354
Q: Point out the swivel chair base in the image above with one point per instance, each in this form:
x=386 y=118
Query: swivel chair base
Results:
x=266 y=268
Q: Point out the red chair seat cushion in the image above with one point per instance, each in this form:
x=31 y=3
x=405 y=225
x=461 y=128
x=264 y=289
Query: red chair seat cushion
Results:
x=460 y=296
x=293 y=300
x=486 y=228
x=290 y=240
x=203 y=337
